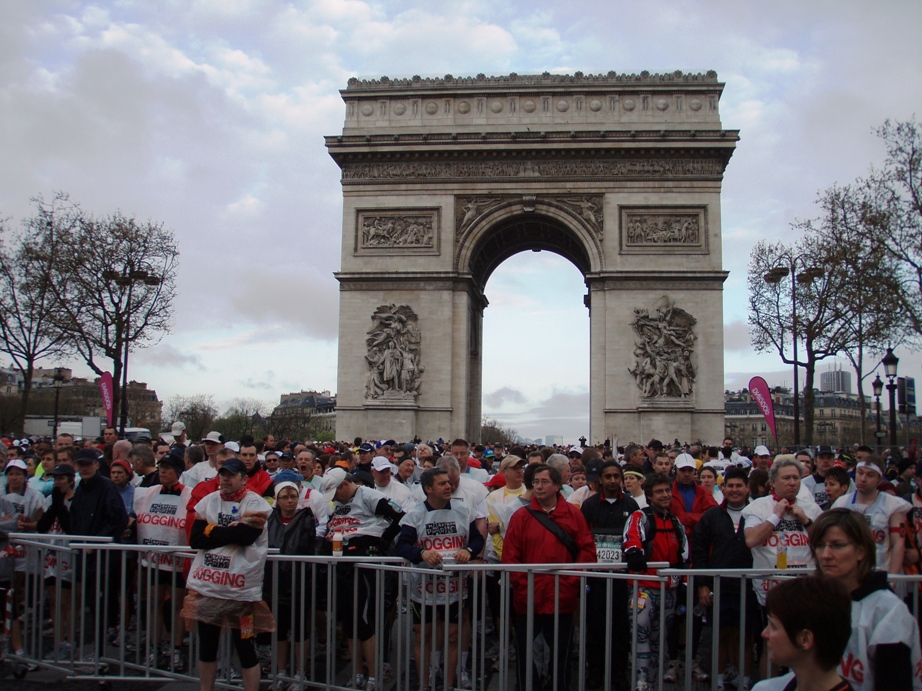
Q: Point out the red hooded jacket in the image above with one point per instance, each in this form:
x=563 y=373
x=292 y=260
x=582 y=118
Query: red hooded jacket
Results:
x=529 y=542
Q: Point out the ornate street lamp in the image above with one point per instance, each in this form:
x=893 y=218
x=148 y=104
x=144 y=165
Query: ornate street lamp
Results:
x=58 y=381
x=890 y=361
x=128 y=278
x=878 y=386
x=805 y=278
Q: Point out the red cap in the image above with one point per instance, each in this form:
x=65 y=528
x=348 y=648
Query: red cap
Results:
x=498 y=480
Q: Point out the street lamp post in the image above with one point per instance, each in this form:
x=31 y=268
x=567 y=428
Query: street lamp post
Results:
x=878 y=386
x=58 y=380
x=128 y=278
x=805 y=277
x=890 y=361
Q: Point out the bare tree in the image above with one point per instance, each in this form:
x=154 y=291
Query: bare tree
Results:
x=492 y=431
x=802 y=306
x=114 y=284
x=27 y=331
x=869 y=291
x=244 y=416
x=892 y=208
x=197 y=413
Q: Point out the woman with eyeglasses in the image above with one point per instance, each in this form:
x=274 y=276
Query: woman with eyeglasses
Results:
x=883 y=651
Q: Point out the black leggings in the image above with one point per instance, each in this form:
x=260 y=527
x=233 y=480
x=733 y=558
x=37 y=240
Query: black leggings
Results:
x=209 y=636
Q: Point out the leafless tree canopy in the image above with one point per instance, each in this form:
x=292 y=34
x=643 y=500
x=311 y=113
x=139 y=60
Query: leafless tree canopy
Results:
x=197 y=412
x=492 y=431
x=27 y=331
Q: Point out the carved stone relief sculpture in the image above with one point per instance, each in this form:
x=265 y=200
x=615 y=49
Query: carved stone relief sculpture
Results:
x=394 y=369
x=663 y=229
x=663 y=350
x=414 y=230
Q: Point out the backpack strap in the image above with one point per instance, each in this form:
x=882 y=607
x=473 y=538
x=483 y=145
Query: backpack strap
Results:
x=557 y=531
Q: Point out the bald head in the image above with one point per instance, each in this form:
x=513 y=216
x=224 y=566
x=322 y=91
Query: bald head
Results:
x=121 y=450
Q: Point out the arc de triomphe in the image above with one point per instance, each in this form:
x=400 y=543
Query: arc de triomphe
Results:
x=444 y=179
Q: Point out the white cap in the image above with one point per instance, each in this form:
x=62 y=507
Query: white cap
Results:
x=177 y=428
x=331 y=481
x=233 y=446
x=381 y=463
x=762 y=451
x=16 y=463
x=213 y=436
x=684 y=460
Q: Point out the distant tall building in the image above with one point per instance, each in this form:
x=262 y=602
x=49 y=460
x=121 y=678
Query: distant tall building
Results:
x=553 y=439
x=836 y=381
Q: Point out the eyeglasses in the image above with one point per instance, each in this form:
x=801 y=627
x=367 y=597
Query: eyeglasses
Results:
x=834 y=546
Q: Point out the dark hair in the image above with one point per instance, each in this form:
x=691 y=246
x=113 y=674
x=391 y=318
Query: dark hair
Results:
x=821 y=605
x=611 y=464
x=840 y=475
x=71 y=452
x=427 y=479
x=529 y=476
x=736 y=473
x=710 y=469
x=654 y=480
x=550 y=470
x=758 y=477
x=195 y=454
x=855 y=528
x=460 y=442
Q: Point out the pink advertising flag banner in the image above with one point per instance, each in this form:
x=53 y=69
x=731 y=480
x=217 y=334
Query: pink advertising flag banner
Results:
x=105 y=388
x=761 y=394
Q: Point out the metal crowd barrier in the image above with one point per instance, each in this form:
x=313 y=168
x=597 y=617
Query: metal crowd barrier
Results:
x=91 y=610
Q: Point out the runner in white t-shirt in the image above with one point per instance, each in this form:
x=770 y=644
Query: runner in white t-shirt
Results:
x=161 y=520
x=885 y=514
x=776 y=525
x=431 y=534
x=226 y=579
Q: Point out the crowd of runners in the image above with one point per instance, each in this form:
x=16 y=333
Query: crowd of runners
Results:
x=852 y=515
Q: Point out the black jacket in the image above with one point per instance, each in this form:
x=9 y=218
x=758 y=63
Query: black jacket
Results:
x=299 y=537
x=97 y=509
x=608 y=518
x=717 y=546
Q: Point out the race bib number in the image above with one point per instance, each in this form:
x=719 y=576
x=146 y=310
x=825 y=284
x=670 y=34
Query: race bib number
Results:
x=608 y=549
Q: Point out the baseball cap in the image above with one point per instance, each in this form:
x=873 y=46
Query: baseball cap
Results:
x=234 y=466
x=594 y=469
x=381 y=463
x=16 y=463
x=685 y=460
x=331 y=482
x=86 y=456
x=820 y=450
x=233 y=446
x=655 y=444
x=498 y=480
x=575 y=451
x=510 y=461
x=64 y=469
x=366 y=448
x=177 y=428
x=174 y=462
x=762 y=451
x=213 y=436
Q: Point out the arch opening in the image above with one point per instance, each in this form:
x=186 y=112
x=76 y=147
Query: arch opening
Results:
x=536 y=346
x=520 y=233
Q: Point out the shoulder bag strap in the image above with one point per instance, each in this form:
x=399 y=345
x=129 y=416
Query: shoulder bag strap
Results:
x=558 y=532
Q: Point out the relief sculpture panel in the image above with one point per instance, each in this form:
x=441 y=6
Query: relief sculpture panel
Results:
x=393 y=357
x=413 y=231
x=663 y=350
x=646 y=230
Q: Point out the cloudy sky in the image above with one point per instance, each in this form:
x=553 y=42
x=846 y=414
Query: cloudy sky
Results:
x=209 y=115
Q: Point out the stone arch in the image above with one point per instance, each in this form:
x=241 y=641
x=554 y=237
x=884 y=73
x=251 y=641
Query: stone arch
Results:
x=509 y=229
